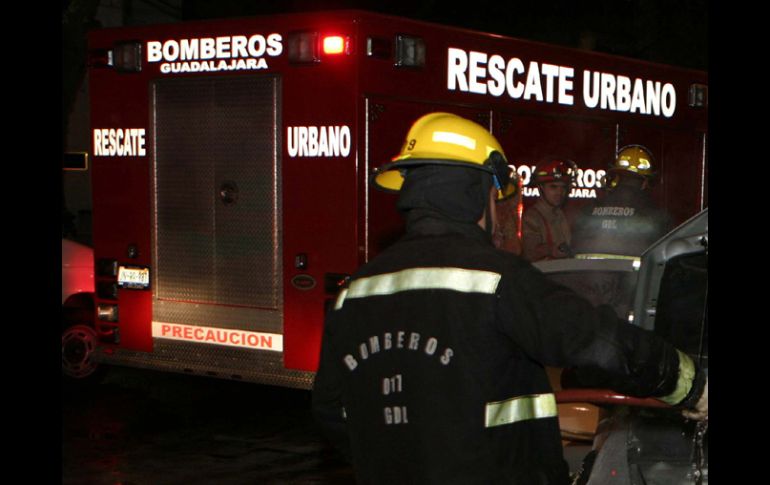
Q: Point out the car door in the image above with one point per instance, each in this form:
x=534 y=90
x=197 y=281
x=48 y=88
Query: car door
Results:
x=638 y=445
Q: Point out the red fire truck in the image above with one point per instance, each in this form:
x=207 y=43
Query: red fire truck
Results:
x=231 y=163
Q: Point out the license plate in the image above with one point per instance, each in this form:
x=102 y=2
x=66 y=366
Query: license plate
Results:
x=135 y=278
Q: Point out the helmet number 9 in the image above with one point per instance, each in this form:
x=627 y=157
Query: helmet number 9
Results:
x=411 y=144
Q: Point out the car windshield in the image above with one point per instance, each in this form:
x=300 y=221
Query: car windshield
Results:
x=601 y=282
x=613 y=288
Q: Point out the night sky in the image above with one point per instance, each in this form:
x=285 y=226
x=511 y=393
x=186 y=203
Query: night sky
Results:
x=665 y=31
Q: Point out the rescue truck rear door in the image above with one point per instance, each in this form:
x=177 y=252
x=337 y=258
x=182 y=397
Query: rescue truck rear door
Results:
x=217 y=228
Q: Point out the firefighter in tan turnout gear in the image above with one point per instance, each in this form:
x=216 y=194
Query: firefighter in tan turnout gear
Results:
x=432 y=362
x=545 y=231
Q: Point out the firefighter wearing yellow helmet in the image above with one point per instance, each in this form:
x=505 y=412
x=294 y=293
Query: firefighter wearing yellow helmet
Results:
x=449 y=140
x=632 y=160
x=432 y=360
x=625 y=221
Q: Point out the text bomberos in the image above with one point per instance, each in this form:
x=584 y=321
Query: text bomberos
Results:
x=224 y=53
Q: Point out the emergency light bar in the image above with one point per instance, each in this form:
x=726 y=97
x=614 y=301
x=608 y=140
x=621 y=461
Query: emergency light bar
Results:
x=334 y=44
x=410 y=51
x=378 y=48
x=123 y=57
x=303 y=47
x=306 y=47
x=127 y=56
x=699 y=96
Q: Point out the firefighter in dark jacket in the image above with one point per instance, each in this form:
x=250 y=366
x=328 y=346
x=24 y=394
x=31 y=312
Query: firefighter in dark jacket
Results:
x=626 y=221
x=432 y=362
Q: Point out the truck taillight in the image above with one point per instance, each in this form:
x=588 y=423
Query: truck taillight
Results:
x=107 y=313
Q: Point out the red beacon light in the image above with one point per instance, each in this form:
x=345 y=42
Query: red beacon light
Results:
x=335 y=44
x=307 y=47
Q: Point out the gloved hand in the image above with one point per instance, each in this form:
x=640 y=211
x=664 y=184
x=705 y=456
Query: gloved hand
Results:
x=701 y=410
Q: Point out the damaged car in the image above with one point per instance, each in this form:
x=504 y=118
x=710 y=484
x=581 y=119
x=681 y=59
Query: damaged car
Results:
x=612 y=438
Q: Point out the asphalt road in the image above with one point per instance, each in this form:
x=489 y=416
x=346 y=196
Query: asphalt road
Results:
x=140 y=427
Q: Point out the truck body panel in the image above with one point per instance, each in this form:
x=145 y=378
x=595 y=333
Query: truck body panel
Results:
x=236 y=181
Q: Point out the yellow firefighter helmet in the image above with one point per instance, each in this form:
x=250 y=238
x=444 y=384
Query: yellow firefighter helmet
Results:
x=448 y=139
x=634 y=159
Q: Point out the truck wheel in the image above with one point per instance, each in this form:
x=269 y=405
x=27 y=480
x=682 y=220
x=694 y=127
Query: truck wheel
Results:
x=78 y=343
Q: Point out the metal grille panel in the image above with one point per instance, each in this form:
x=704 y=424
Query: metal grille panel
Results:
x=214 y=134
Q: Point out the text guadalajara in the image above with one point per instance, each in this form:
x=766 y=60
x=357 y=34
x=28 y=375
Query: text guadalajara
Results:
x=482 y=73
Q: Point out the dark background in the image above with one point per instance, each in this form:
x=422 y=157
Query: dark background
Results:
x=665 y=31
x=685 y=33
